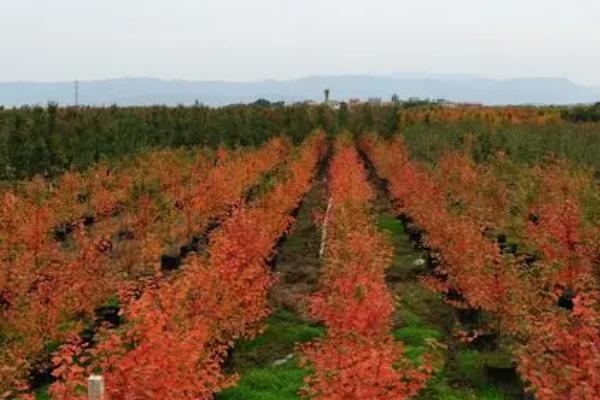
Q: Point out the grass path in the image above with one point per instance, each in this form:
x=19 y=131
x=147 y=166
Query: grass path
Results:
x=425 y=323
x=267 y=365
x=422 y=319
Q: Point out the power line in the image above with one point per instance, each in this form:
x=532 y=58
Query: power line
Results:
x=76 y=93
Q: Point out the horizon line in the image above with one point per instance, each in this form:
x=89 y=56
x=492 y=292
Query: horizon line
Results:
x=392 y=75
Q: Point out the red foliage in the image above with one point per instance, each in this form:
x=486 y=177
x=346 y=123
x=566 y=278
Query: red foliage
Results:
x=558 y=234
x=473 y=189
x=355 y=367
x=470 y=263
x=51 y=290
x=561 y=359
x=493 y=116
x=181 y=329
x=358 y=359
x=556 y=349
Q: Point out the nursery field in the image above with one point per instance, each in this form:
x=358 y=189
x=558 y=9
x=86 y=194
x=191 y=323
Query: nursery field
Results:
x=375 y=253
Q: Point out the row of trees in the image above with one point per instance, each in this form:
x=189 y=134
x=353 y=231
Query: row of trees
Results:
x=583 y=113
x=544 y=307
x=56 y=279
x=49 y=140
x=179 y=330
x=358 y=358
x=547 y=217
x=530 y=136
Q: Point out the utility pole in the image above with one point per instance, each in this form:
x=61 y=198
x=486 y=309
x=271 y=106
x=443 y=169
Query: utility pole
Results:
x=76 y=93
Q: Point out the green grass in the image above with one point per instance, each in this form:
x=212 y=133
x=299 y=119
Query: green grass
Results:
x=268 y=383
x=284 y=330
x=467 y=380
x=417 y=335
x=403 y=267
x=422 y=319
x=440 y=388
x=42 y=394
x=253 y=360
x=391 y=224
x=470 y=368
x=419 y=340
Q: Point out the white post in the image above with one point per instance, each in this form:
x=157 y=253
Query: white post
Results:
x=96 y=387
x=324 y=232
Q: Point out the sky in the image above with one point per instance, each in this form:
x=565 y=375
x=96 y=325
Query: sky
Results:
x=244 y=40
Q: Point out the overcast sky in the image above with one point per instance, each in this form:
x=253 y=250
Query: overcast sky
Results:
x=47 y=40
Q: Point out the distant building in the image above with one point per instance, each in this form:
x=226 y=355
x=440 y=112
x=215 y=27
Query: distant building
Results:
x=334 y=104
x=306 y=103
x=470 y=105
x=353 y=102
x=375 y=101
x=453 y=104
x=448 y=104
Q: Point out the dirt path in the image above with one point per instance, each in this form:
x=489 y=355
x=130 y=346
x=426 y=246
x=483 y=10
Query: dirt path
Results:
x=267 y=365
x=298 y=264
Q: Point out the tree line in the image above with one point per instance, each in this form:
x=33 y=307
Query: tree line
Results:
x=48 y=140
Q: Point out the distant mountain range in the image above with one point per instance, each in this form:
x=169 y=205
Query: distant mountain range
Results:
x=146 y=91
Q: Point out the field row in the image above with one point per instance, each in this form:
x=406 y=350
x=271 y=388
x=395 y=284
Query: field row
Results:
x=180 y=330
x=540 y=306
x=358 y=358
x=64 y=289
x=151 y=272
